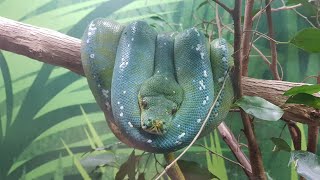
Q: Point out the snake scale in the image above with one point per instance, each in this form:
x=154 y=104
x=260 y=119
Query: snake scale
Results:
x=157 y=89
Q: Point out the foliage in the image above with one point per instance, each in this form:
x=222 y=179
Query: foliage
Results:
x=259 y=108
x=306 y=163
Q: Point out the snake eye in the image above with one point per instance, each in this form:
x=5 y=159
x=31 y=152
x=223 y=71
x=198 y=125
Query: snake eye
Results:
x=174 y=110
x=144 y=104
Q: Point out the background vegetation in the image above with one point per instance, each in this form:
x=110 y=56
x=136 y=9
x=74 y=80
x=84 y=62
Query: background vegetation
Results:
x=44 y=109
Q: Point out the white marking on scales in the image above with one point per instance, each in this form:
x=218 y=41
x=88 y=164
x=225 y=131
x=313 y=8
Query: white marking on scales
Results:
x=121 y=107
x=121 y=114
x=195 y=29
x=91 y=56
x=198 y=120
x=202 y=84
x=204 y=102
x=224 y=59
x=205 y=74
x=198 y=47
x=181 y=135
x=130 y=124
x=202 y=55
x=149 y=141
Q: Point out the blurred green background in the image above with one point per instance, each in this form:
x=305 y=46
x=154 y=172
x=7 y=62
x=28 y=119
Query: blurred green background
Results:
x=40 y=104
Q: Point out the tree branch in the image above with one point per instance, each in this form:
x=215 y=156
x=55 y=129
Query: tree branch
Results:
x=233 y=144
x=225 y=7
x=254 y=151
x=273 y=47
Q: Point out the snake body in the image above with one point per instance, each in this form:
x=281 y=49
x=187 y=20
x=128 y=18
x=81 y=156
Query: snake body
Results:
x=155 y=88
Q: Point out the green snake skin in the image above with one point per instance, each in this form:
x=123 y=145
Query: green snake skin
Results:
x=157 y=88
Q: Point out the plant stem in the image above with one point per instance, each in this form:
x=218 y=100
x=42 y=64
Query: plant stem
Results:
x=233 y=144
x=245 y=43
x=273 y=47
x=254 y=152
x=174 y=172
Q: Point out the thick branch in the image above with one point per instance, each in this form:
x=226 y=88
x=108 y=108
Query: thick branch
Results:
x=42 y=44
x=61 y=50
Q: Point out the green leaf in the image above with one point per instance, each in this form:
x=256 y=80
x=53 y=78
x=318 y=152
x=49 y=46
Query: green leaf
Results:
x=306 y=99
x=308 y=89
x=77 y=163
x=307 y=39
x=102 y=159
x=127 y=168
x=192 y=170
x=292 y=2
x=307 y=164
x=259 y=108
x=157 y=18
x=281 y=144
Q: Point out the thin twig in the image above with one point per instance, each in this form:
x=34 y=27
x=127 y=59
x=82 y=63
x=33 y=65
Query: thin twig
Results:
x=245 y=43
x=234 y=145
x=313 y=134
x=274 y=56
x=284 y=7
x=230 y=160
x=218 y=21
x=295 y=134
x=225 y=7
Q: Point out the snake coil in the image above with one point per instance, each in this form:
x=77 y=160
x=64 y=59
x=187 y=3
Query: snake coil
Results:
x=156 y=89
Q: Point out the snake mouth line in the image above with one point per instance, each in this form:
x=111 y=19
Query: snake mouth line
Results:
x=154 y=126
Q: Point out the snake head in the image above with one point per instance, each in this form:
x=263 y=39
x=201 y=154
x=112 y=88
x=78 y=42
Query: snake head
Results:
x=159 y=100
x=156 y=114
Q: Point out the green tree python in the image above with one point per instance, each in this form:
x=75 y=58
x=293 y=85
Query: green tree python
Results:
x=155 y=88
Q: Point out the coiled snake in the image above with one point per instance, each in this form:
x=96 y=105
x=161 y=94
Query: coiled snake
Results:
x=156 y=89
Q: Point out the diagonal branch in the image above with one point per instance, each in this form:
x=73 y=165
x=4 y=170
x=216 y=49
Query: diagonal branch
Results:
x=225 y=7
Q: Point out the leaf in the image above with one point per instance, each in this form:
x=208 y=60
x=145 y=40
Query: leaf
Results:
x=127 y=168
x=192 y=170
x=307 y=164
x=306 y=99
x=157 y=18
x=281 y=144
x=98 y=160
x=309 y=89
x=307 y=39
x=292 y=2
x=259 y=108
x=76 y=162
